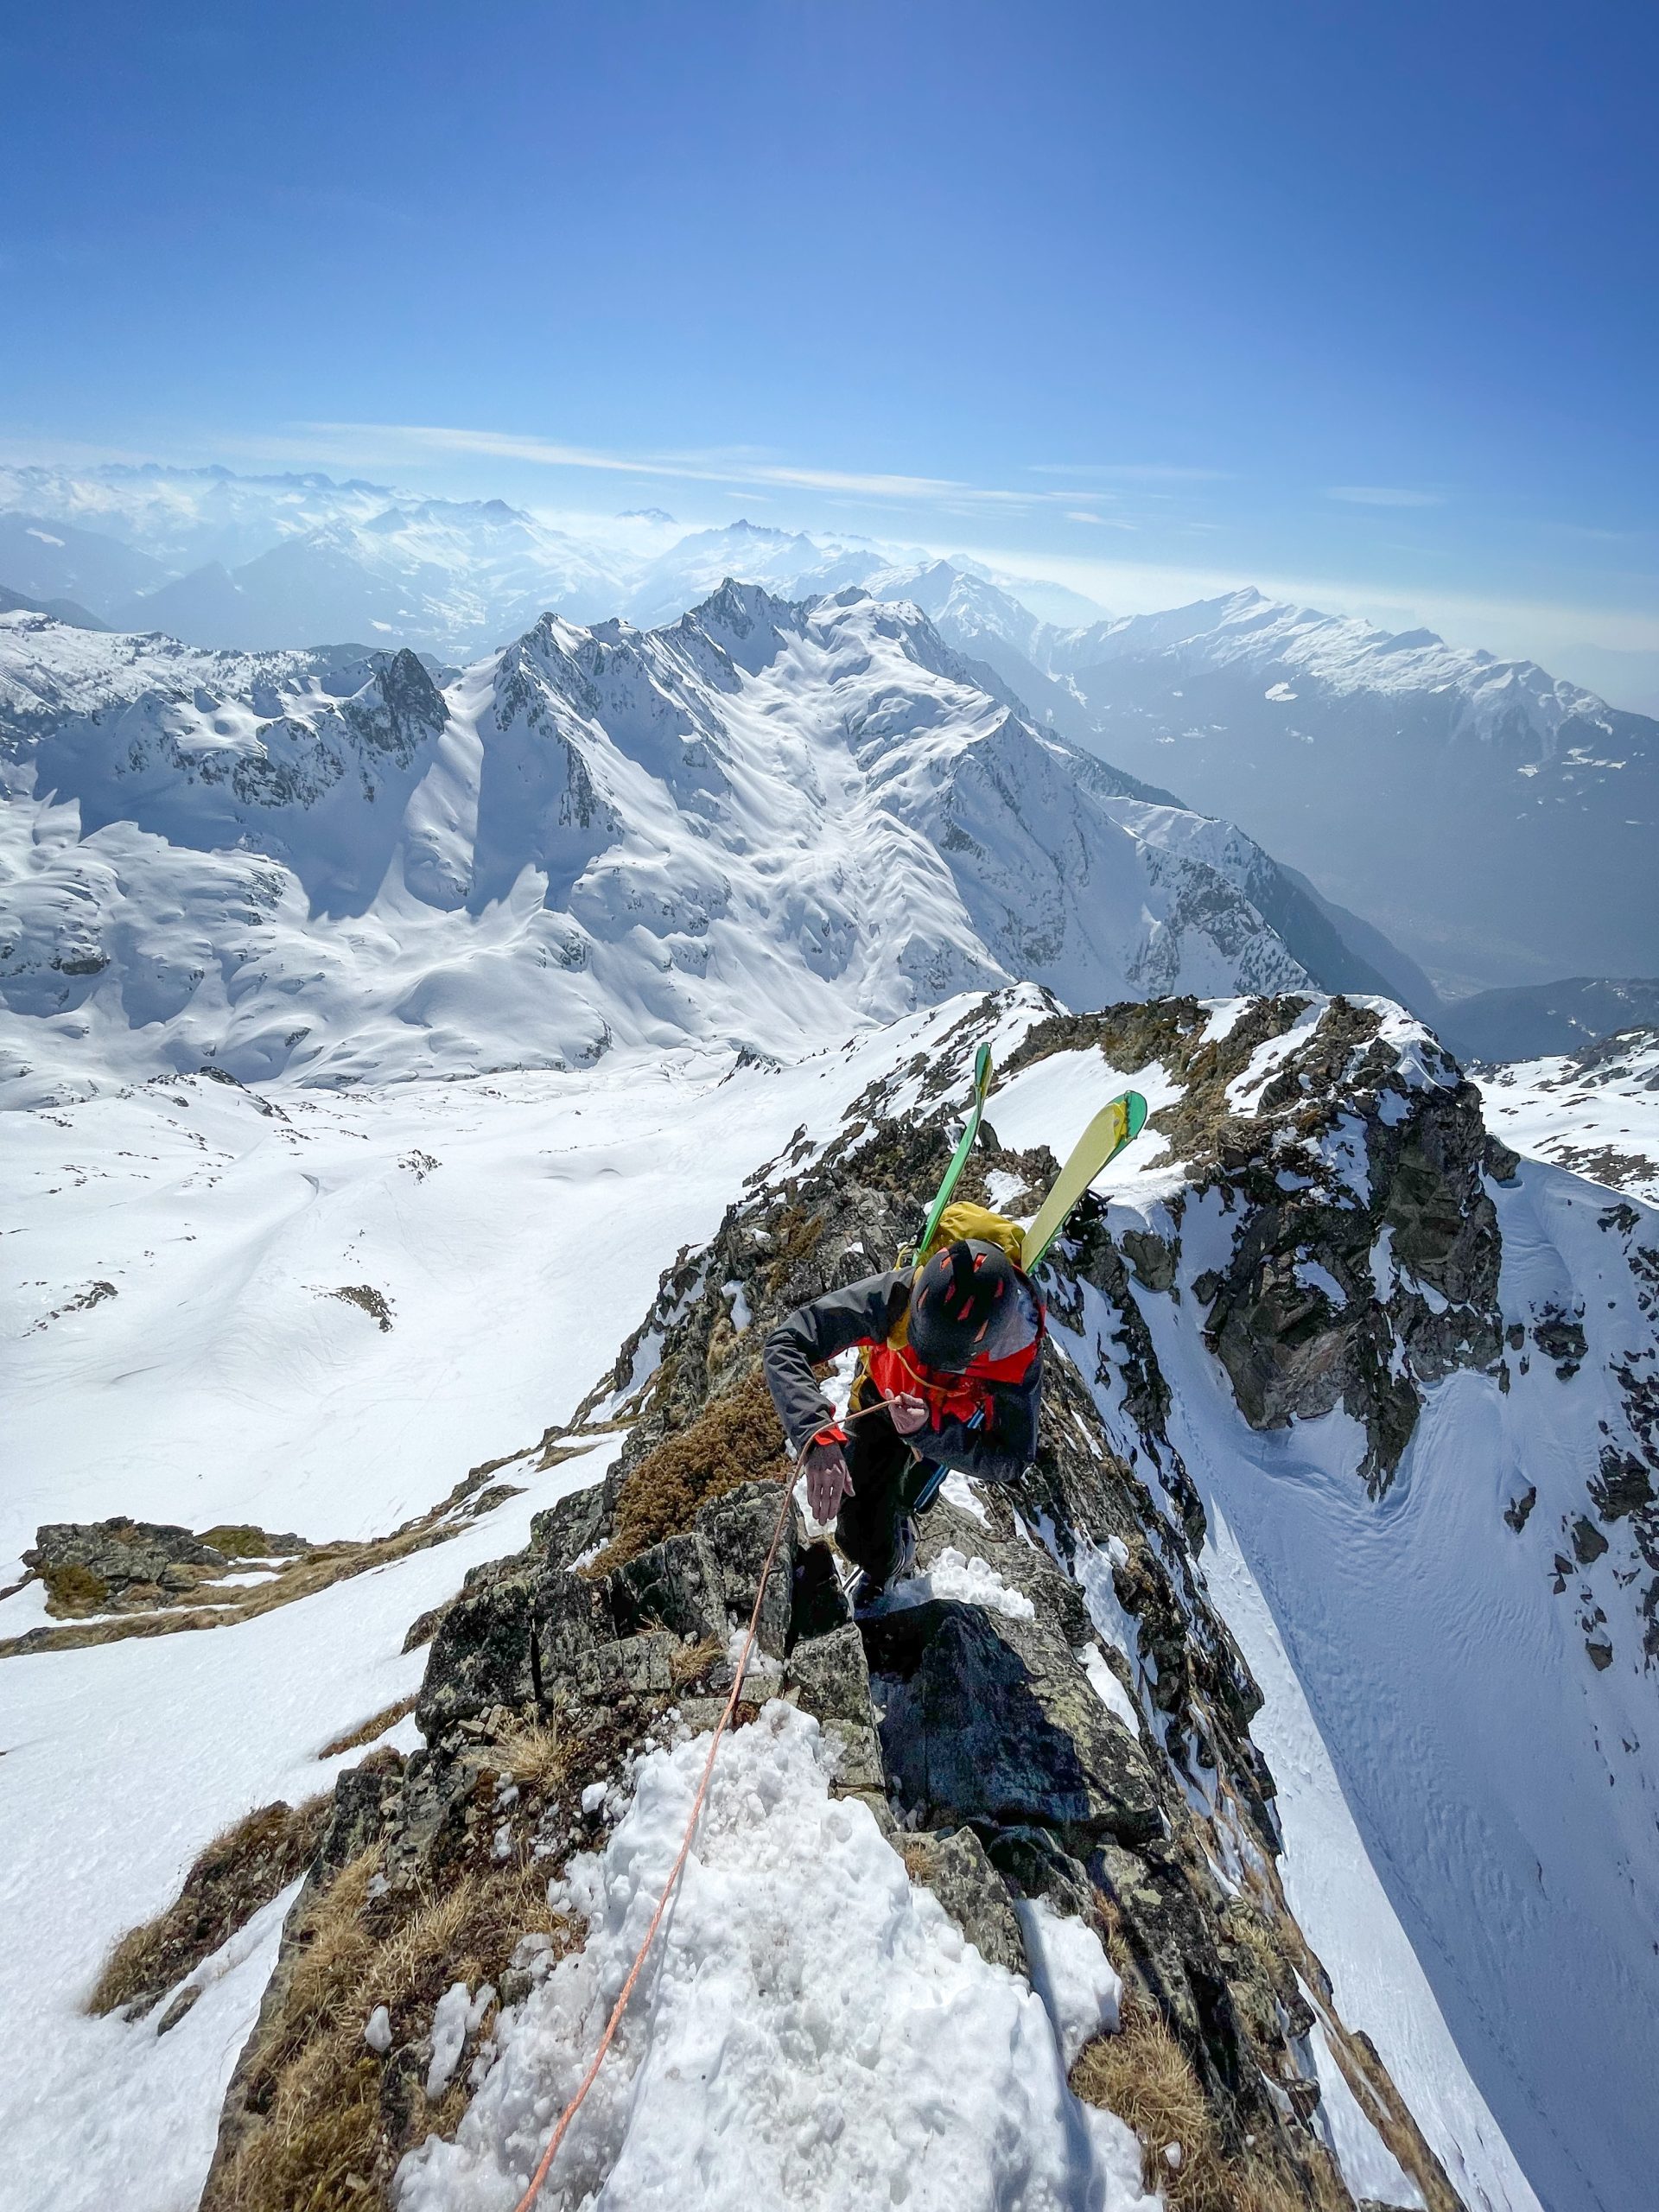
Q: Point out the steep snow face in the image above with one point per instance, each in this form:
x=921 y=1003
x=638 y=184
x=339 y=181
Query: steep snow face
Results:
x=1434 y=787
x=1413 y=1381
x=755 y=826
x=970 y=610
x=1595 y=1111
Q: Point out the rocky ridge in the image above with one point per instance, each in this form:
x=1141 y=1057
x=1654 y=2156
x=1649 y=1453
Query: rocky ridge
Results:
x=1062 y=1715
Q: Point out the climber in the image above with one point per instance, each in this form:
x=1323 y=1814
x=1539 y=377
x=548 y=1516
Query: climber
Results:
x=953 y=1357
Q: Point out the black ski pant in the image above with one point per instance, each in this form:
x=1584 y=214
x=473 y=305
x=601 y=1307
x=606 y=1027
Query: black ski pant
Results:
x=887 y=1479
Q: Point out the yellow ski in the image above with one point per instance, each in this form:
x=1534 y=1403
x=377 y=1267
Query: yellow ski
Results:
x=1112 y=1128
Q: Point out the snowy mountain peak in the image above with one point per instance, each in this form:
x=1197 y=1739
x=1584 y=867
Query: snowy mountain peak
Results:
x=759 y=823
x=1432 y=786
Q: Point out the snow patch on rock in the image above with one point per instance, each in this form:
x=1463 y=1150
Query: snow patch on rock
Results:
x=813 y=2030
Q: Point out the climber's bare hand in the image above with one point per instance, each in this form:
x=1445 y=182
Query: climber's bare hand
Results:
x=907 y=1412
x=827 y=1481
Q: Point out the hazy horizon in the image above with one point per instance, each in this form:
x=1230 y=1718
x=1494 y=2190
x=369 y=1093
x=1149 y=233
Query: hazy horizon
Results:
x=1347 y=308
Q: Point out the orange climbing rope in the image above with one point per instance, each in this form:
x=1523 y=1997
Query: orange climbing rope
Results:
x=620 y=2005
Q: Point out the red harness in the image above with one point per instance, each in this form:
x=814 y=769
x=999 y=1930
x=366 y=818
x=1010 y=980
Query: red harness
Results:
x=895 y=1369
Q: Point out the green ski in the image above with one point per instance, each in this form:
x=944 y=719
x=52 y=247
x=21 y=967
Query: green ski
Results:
x=965 y=1145
x=1112 y=1128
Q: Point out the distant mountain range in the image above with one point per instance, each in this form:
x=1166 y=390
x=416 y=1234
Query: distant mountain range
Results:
x=1497 y=823
x=749 y=827
x=1494 y=825
x=61 y=610
x=1549 y=1018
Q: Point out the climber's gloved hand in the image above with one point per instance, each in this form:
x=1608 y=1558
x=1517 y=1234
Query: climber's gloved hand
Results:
x=827 y=1479
x=907 y=1412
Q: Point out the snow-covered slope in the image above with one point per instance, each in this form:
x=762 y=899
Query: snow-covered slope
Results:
x=969 y=611
x=1595 y=1111
x=983 y=620
x=1440 y=792
x=1312 y=1266
x=758 y=824
x=238 y=1383
x=1413 y=1381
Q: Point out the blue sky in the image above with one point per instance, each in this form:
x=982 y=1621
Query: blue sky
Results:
x=1356 y=299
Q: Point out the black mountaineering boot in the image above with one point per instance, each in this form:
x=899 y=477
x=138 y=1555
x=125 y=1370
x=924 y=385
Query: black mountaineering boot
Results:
x=867 y=1591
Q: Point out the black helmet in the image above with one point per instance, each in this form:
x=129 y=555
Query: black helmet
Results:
x=970 y=1302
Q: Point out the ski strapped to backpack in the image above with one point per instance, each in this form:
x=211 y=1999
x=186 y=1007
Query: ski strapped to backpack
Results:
x=1118 y=1122
x=1115 y=1126
x=959 y=1157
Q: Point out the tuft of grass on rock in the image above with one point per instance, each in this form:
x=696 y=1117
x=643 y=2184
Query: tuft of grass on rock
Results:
x=241 y=1540
x=692 y=1662
x=737 y=1438
x=1143 y=2076
x=367 y=1731
x=240 y=1872
x=74 y=1589
x=535 y=1754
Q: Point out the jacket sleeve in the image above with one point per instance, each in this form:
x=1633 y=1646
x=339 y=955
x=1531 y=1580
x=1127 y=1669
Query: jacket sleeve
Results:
x=860 y=1313
x=1002 y=1452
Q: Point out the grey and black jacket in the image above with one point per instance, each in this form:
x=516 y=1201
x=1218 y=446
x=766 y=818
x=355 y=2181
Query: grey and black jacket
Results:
x=865 y=1312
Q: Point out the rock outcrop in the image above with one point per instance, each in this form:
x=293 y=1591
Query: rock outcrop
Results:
x=123 y=1565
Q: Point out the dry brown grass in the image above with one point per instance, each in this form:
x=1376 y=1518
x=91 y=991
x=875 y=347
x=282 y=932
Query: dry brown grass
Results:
x=241 y=1870
x=692 y=1661
x=735 y=1439
x=1249 y=1927
x=1144 y=2076
x=74 y=1589
x=241 y=1540
x=535 y=1754
x=322 y=2141
x=795 y=1233
x=366 y=1730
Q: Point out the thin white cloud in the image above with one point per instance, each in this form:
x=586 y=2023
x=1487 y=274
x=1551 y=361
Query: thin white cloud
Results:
x=1132 y=471
x=387 y=443
x=411 y=441
x=1384 y=495
x=415 y=440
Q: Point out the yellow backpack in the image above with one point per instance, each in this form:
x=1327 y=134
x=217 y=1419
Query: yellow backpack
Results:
x=963 y=1222
x=960 y=1223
